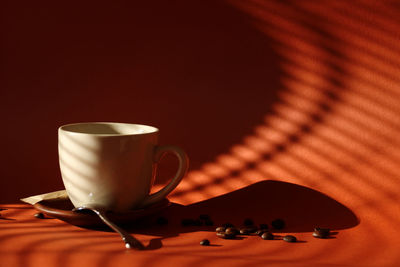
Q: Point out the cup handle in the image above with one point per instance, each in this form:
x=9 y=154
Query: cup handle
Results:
x=183 y=166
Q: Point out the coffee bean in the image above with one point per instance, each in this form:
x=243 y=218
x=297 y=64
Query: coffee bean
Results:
x=205 y=242
x=267 y=236
x=261 y=231
x=231 y=231
x=225 y=235
x=162 y=221
x=220 y=229
x=321 y=232
x=248 y=230
x=220 y=234
x=39 y=215
x=209 y=222
x=263 y=226
x=204 y=217
x=278 y=224
x=318 y=235
x=289 y=238
x=244 y=231
x=248 y=222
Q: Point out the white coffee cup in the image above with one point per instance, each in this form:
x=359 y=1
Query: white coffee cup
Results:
x=112 y=165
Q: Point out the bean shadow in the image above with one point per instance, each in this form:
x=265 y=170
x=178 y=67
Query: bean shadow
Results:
x=300 y=207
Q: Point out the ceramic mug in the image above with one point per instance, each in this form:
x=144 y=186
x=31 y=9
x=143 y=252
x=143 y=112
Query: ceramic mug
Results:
x=112 y=165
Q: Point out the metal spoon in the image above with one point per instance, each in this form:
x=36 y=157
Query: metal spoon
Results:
x=130 y=241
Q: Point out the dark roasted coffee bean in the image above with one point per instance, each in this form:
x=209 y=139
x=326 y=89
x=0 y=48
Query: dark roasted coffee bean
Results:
x=231 y=231
x=205 y=242
x=321 y=232
x=220 y=229
x=39 y=215
x=225 y=235
x=289 y=238
x=263 y=226
x=204 y=217
x=261 y=231
x=278 y=224
x=209 y=222
x=187 y=222
x=227 y=225
x=244 y=231
x=248 y=230
x=162 y=221
x=248 y=222
x=267 y=236
x=220 y=234
x=318 y=235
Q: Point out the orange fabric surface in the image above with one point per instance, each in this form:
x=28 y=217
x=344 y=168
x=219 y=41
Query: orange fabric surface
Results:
x=327 y=153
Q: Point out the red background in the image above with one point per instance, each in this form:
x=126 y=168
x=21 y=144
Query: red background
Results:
x=289 y=107
x=199 y=71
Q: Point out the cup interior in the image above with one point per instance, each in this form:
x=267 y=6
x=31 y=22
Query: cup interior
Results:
x=109 y=128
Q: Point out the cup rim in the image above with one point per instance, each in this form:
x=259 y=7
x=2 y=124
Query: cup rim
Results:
x=151 y=129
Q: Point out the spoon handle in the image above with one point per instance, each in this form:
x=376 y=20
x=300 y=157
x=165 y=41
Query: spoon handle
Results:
x=130 y=241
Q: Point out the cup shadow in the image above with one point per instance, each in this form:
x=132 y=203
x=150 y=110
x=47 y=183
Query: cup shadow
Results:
x=300 y=207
